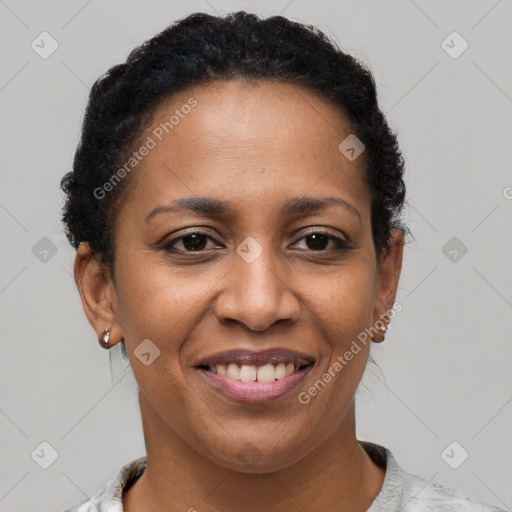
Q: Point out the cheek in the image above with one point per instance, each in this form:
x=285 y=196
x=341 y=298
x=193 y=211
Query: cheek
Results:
x=161 y=303
x=343 y=301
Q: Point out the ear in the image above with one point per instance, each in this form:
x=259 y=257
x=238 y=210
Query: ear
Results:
x=388 y=275
x=96 y=288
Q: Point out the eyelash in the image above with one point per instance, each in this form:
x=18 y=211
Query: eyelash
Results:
x=341 y=245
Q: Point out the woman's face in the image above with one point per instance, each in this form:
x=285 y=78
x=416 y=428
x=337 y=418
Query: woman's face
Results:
x=245 y=270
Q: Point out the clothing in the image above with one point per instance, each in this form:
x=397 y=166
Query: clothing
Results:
x=401 y=491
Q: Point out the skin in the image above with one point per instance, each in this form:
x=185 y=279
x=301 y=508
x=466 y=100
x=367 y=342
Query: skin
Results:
x=254 y=145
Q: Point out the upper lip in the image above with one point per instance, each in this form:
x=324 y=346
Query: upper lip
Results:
x=258 y=358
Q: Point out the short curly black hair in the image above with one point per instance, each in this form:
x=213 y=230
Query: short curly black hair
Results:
x=196 y=50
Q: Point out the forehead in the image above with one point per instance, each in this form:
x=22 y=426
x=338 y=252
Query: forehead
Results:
x=239 y=115
x=253 y=140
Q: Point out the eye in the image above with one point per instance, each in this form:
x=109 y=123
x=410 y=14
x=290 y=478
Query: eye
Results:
x=195 y=241
x=317 y=241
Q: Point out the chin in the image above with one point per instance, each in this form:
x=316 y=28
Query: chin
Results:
x=258 y=456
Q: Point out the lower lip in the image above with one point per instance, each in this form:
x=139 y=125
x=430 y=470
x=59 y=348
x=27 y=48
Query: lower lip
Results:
x=253 y=391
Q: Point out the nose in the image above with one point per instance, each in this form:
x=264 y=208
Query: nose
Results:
x=256 y=294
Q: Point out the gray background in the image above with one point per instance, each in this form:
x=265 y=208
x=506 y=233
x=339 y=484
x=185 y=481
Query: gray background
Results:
x=447 y=358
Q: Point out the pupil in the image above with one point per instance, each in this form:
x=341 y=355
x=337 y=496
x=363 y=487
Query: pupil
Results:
x=318 y=241
x=197 y=242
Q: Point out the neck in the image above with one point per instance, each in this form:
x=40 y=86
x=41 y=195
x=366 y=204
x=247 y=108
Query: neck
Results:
x=339 y=475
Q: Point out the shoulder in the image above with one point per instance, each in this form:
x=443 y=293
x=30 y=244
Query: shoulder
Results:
x=406 y=492
x=109 y=499
x=421 y=495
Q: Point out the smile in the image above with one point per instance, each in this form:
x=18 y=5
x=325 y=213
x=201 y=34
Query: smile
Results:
x=255 y=377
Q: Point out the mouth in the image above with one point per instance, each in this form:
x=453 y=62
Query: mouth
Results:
x=254 y=377
x=252 y=373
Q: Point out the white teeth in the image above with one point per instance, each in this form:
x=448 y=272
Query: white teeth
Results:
x=247 y=373
x=280 y=371
x=251 y=373
x=266 y=373
x=233 y=371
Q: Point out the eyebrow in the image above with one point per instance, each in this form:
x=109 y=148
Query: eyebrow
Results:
x=214 y=207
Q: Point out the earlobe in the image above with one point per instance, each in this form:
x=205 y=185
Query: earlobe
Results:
x=95 y=286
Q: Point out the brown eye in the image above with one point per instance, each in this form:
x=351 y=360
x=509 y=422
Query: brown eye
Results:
x=192 y=242
x=319 y=241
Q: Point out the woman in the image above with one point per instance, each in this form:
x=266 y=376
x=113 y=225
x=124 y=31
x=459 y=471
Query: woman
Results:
x=235 y=203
